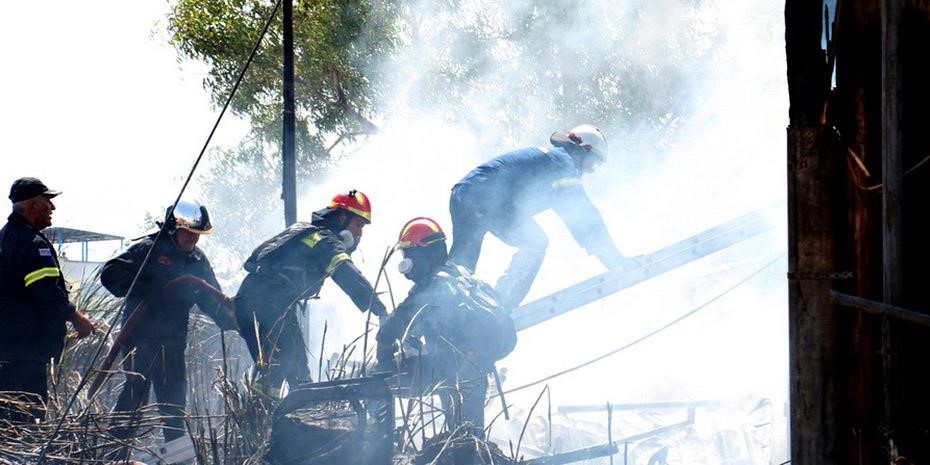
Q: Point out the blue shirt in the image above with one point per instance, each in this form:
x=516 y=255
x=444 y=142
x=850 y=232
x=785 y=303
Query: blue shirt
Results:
x=519 y=184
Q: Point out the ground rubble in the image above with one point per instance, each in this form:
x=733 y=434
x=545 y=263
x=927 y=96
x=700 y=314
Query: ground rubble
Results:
x=335 y=433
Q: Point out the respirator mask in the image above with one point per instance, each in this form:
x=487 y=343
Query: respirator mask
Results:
x=405 y=266
x=348 y=239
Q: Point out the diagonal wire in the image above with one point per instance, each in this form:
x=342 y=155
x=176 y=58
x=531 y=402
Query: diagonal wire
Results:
x=160 y=233
x=649 y=334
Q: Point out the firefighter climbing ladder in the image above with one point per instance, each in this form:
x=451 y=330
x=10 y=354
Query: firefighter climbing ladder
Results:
x=662 y=261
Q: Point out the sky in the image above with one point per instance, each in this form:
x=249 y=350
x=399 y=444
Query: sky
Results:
x=96 y=104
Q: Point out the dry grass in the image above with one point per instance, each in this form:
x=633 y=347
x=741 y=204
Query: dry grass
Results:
x=228 y=421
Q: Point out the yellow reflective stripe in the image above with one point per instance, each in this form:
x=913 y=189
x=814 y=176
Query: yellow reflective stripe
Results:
x=312 y=239
x=336 y=261
x=565 y=182
x=362 y=213
x=47 y=272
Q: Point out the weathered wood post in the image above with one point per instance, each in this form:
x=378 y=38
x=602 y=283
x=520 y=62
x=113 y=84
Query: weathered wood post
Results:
x=813 y=175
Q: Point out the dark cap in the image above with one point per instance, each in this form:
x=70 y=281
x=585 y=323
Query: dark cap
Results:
x=27 y=188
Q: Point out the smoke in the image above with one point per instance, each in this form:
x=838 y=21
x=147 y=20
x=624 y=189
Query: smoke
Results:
x=692 y=98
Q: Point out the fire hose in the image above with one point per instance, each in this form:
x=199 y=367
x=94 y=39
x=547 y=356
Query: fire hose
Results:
x=141 y=310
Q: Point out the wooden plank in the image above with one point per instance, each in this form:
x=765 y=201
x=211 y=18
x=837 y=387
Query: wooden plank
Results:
x=880 y=308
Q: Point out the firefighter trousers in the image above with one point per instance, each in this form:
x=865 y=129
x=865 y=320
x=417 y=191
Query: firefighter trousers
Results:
x=469 y=226
x=272 y=334
x=24 y=383
x=150 y=365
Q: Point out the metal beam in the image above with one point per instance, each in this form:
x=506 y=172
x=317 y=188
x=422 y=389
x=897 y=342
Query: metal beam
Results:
x=609 y=448
x=655 y=264
x=637 y=406
x=574 y=456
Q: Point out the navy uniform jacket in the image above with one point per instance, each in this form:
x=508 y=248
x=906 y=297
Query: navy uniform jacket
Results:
x=33 y=298
x=451 y=307
x=166 y=319
x=517 y=185
x=295 y=263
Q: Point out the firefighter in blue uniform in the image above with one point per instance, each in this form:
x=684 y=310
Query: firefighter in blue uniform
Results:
x=291 y=267
x=449 y=330
x=34 y=303
x=155 y=347
x=502 y=195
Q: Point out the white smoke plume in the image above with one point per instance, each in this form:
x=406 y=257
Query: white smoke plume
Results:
x=696 y=135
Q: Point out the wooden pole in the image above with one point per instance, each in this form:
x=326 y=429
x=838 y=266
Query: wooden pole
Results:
x=813 y=173
x=812 y=316
x=892 y=197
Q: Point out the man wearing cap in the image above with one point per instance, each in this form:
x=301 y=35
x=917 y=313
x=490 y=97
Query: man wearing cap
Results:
x=502 y=195
x=34 y=303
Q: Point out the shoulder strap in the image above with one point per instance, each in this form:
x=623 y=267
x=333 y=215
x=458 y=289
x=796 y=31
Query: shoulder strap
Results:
x=267 y=249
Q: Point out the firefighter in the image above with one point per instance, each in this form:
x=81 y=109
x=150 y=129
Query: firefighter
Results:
x=155 y=346
x=502 y=195
x=291 y=267
x=34 y=303
x=449 y=330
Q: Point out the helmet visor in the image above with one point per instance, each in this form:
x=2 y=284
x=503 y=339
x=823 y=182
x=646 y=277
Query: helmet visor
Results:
x=192 y=217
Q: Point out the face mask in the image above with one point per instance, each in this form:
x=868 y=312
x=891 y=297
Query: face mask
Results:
x=405 y=266
x=348 y=239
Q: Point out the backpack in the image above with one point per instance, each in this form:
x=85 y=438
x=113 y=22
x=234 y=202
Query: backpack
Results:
x=478 y=322
x=267 y=253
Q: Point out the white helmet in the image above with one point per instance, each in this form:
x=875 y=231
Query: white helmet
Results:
x=585 y=136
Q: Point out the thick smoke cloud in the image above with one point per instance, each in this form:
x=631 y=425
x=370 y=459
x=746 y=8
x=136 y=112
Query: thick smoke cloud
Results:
x=692 y=98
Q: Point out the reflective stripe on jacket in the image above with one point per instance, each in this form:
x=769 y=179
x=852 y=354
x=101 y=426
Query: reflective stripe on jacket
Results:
x=33 y=297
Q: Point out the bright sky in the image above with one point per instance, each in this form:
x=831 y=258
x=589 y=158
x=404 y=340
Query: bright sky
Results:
x=96 y=104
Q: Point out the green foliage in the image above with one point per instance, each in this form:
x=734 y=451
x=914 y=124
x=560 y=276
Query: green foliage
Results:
x=334 y=43
x=524 y=62
x=521 y=65
x=507 y=69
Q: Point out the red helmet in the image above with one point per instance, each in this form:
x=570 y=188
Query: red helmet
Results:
x=355 y=202
x=419 y=232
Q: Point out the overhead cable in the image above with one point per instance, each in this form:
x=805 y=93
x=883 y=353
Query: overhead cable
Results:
x=649 y=334
x=63 y=414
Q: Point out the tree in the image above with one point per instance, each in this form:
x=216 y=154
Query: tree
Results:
x=504 y=68
x=336 y=43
